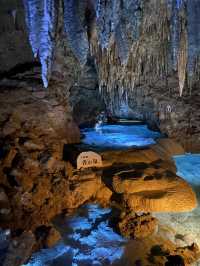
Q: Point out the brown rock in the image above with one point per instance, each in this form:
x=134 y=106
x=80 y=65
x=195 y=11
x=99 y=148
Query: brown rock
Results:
x=20 y=250
x=9 y=158
x=166 y=148
x=31 y=146
x=84 y=187
x=52 y=238
x=103 y=195
x=177 y=198
x=190 y=253
x=54 y=165
x=154 y=191
x=138 y=226
x=128 y=157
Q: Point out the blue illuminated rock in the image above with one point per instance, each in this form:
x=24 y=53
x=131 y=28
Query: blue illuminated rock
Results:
x=41 y=22
x=76 y=33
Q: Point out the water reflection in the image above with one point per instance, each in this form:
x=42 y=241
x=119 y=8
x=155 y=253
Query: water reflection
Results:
x=88 y=239
x=188 y=166
x=119 y=136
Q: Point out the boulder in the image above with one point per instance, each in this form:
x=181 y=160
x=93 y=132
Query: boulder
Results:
x=177 y=198
x=154 y=190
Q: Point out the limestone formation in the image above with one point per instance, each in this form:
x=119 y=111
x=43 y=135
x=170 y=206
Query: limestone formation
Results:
x=138 y=226
x=154 y=191
x=175 y=199
x=103 y=195
x=84 y=186
x=133 y=59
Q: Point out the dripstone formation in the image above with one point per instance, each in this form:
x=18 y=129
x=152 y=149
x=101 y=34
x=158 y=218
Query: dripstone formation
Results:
x=62 y=64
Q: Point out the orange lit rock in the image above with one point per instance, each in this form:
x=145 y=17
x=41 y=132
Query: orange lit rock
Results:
x=179 y=197
x=82 y=191
x=103 y=195
x=138 y=226
x=52 y=238
x=154 y=189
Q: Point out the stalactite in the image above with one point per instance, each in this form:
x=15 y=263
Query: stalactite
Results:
x=122 y=43
x=76 y=33
x=182 y=61
x=33 y=20
x=175 y=32
x=133 y=42
x=41 y=22
x=128 y=60
x=193 y=28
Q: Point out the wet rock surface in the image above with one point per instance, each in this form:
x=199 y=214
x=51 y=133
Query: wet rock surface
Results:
x=175 y=116
x=38 y=184
x=138 y=226
x=20 y=249
x=34 y=128
x=149 y=187
x=89 y=233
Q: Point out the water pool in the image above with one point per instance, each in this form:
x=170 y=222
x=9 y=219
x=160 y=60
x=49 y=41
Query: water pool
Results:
x=119 y=136
x=87 y=240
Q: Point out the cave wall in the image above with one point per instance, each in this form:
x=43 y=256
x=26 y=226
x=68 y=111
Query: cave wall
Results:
x=132 y=54
x=143 y=55
x=14 y=45
x=36 y=123
x=32 y=44
x=146 y=54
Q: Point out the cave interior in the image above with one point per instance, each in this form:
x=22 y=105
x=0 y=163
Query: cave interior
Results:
x=99 y=132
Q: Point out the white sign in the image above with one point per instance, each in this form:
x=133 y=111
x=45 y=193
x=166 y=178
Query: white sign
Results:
x=89 y=159
x=168 y=108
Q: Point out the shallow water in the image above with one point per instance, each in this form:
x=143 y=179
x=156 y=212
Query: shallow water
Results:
x=188 y=167
x=119 y=136
x=88 y=239
x=188 y=223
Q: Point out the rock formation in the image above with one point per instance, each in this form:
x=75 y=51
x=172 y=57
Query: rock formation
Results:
x=131 y=58
x=146 y=55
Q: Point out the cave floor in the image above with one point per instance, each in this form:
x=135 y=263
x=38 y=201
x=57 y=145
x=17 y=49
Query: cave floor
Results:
x=119 y=136
x=88 y=237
